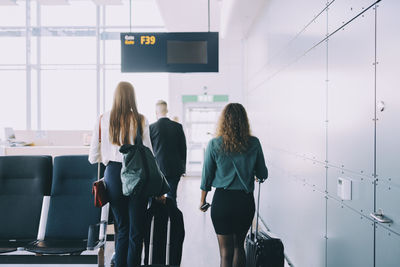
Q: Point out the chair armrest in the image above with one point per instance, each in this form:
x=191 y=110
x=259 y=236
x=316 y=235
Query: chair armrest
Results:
x=93 y=241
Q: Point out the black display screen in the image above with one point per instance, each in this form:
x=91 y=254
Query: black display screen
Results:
x=186 y=52
x=169 y=52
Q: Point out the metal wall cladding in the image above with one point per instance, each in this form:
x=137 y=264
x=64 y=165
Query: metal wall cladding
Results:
x=350 y=237
x=294 y=109
x=303 y=212
x=291 y=86
x=362 y=190
x=388 y=200
x=281 y=40
x=351 y=96
x=314 y=99
x=310 y=172
x=304 y=108
x=388 y=111
x=387 y=248
x=342 y=11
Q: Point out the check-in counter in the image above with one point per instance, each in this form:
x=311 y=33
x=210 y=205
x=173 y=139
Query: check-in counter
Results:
x=44 y=150
x=53 y=143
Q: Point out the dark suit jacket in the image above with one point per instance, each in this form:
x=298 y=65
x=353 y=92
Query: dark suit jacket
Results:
x=169 y=146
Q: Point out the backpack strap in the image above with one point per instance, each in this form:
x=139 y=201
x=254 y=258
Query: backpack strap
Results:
x=138 y=137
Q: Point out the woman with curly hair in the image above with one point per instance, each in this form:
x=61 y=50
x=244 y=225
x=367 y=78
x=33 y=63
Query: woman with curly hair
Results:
x=233 y=159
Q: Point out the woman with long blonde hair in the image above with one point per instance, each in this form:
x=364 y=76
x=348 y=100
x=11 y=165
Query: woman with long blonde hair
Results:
x=119 y=127
x=232 y=161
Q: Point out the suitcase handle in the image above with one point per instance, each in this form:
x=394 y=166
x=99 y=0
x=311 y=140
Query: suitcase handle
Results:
x=257 y=210
x=151 y=241
x=167 y=250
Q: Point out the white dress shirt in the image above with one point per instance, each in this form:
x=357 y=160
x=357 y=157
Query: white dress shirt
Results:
x=106 y=151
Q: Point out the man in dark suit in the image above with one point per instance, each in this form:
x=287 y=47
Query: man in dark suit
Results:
x=169 y=146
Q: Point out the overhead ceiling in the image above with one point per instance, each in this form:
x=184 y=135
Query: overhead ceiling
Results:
x=232 y=18
x=190 y=15
x=237 y=17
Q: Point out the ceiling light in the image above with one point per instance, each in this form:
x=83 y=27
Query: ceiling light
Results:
x=8 y=2
x=107 y=2
x=53 y=2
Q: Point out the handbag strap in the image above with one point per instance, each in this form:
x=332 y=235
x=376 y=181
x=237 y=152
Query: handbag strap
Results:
x=238 y=173
x=98 y=164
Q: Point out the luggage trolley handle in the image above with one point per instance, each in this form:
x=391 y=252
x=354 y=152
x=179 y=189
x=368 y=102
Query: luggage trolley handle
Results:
x=152 y=241
x=257 y=214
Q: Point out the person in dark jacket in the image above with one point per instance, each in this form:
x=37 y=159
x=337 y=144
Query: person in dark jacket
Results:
x=232 y=161
x=169 y=146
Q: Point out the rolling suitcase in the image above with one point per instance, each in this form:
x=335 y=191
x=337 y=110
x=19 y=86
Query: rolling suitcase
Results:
x=261 y=249
x=164 y=235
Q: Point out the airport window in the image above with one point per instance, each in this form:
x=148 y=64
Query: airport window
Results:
x=12 y=98
x=15 y=54
x=13 y=15
x=118 y=15
x=46 y=56
x=113 y=52
x=69 y=50
x=77 y=13
x=70 y=104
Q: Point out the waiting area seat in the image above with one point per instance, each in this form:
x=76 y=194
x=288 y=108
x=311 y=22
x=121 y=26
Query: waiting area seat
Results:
x=24 y=181
x=70 y=223
x=71 y=211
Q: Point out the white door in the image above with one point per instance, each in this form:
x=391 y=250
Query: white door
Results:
x=200 y=121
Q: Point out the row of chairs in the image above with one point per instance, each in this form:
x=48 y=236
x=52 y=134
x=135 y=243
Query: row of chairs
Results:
x=47 y=211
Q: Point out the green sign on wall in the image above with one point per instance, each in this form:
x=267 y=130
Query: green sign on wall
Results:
x=204 y=98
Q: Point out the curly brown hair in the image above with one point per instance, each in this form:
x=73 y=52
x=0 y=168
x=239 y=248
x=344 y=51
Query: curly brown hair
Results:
x=234 y=128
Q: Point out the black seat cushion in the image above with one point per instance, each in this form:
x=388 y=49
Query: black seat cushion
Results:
x=57 y=246
x=12 y=245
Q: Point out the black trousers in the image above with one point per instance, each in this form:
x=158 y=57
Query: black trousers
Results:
x=129 y=217
x=173 y=185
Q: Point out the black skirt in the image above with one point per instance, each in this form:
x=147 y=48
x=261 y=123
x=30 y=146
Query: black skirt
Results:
x=232 y=211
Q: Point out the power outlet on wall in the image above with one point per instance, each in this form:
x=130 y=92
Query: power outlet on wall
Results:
x=344 y=188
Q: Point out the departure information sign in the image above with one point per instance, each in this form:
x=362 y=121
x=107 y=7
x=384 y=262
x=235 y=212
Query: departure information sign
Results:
x=169 y=52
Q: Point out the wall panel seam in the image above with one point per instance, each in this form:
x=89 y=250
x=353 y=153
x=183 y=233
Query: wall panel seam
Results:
x=310 y=49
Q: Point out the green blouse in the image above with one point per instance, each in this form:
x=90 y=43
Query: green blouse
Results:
x=233 y=171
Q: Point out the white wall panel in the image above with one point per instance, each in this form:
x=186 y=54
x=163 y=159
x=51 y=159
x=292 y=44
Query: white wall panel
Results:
x=350 y=238
x=351 y=96
x=387 y=248
x=388 y=126
x=312 y=103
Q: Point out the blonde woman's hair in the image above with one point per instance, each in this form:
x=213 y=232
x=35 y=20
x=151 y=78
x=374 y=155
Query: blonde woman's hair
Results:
x=234 y=128
x=124 y=115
